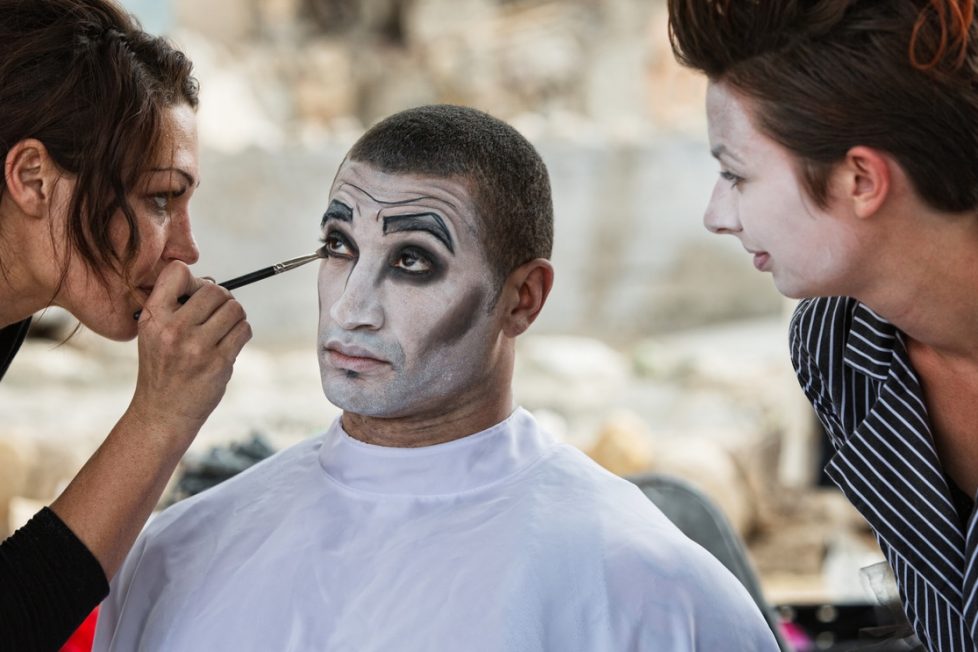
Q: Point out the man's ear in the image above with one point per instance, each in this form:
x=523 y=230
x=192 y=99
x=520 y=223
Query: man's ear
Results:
x=525 y=291
x=865 y=180
x=29 y=177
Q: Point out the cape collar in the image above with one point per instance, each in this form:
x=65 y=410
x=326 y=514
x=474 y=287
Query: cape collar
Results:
x=473 y=462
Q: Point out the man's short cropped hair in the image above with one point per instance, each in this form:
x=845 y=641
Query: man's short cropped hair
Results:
x=504 y=174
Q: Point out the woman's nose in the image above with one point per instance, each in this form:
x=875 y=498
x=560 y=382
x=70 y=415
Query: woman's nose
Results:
x=180 y=243
x=721 y=215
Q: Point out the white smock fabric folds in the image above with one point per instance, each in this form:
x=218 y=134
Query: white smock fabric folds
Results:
x=502 y=541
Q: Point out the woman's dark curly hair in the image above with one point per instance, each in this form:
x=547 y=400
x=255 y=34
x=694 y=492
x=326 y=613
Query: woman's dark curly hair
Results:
x=83 y=78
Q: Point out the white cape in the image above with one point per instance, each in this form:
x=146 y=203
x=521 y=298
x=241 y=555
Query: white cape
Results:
x=502 y=541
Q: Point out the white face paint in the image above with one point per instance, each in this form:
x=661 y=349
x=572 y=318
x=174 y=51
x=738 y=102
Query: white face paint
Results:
x=404 y=295
x=760 y=200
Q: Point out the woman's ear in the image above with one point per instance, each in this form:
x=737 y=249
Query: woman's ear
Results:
x=526 y=290
x=866 y=180
x=30 y=175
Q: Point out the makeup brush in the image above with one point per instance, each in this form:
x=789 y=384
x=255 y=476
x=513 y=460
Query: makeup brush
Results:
x=258 y=275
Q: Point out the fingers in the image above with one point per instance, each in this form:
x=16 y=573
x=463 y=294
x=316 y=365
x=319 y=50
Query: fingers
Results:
x=224 y=314
x=178 y=294
x=209 y=316
x=175 y=281
x=187 y=350
x=235 y=339
x=174 y=284
x=204 y=304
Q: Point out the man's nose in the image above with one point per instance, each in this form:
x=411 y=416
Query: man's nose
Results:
x=359 y=306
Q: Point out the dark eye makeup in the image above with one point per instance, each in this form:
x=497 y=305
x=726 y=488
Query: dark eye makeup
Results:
x=413 y=260
x=407 y=262
x=337 y=245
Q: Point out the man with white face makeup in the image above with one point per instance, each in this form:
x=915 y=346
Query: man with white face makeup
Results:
x=405 y=296
x=431 y=516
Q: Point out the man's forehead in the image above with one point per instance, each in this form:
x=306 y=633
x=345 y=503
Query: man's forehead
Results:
x=370 y=189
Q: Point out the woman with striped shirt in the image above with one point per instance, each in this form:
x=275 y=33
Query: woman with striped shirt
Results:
x=847 y=137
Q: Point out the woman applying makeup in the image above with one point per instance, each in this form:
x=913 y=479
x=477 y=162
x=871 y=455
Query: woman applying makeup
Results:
x=847 y=137
x=98 y=139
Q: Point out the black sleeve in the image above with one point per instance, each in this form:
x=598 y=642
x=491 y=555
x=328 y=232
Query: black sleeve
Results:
x=11 y=337
x=49 y=583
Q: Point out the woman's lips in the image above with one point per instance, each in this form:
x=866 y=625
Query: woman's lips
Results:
x=761 y=260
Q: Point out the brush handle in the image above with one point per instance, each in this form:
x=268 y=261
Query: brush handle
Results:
x=248 y=279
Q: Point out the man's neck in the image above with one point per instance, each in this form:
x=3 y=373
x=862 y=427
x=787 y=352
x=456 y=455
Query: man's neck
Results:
x=430 y=428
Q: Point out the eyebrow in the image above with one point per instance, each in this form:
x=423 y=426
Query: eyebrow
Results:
x=337 y=211
x=428 y=222
x=183 y=173
x=721 y=150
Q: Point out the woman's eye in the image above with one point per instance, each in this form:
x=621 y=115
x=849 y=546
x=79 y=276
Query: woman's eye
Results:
x=413 y=262
x=732 y=178
x=161 y=201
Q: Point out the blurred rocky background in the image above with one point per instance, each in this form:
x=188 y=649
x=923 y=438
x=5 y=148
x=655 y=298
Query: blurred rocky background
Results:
x=661 y=347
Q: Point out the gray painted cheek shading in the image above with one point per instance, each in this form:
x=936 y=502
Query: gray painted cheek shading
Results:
x=459 y=321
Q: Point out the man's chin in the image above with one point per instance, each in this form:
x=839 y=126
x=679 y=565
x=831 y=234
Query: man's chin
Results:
x=370 y=405
x=369 y=412
x=354 y=398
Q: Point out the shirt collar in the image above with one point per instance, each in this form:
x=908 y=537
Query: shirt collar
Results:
x=870 y=343
x=465 y=464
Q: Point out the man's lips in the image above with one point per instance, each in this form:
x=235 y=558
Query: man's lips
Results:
x=353 y=358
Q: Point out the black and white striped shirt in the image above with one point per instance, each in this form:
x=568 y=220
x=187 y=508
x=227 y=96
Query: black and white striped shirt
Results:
x=855 y=370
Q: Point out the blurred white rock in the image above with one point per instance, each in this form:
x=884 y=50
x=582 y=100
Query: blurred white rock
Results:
x=21 y=510
x=623 y=445
x=576 y=377
x=236 y=95
x=18 y=456
x=704 y=463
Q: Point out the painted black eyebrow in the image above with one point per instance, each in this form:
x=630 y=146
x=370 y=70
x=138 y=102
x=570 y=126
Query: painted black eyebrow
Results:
x=337 y=211
x=428 y=222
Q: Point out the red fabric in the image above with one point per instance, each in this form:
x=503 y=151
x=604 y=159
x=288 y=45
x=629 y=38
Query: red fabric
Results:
x=84 y=636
